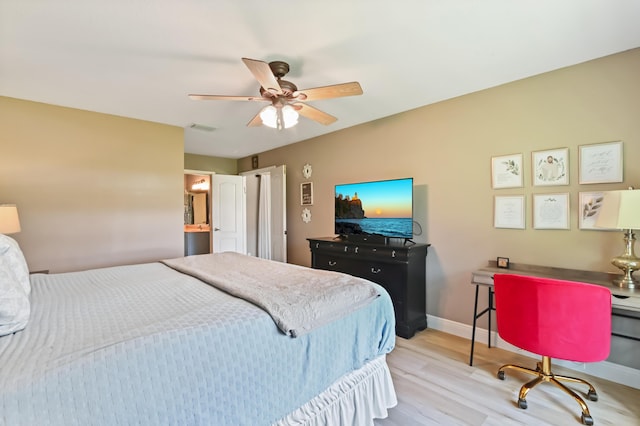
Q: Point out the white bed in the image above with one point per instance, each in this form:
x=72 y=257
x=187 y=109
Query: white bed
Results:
x=148 y=345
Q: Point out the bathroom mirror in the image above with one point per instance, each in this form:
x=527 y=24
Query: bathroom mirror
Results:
x=196 y=208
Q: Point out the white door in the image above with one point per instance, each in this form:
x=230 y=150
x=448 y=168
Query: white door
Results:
x=228 y=212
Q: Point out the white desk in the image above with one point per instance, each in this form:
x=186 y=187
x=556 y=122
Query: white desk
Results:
x=621 y=298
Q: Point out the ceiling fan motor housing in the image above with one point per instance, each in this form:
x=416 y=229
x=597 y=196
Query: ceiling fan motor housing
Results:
x=279 y=68
x=287 y=88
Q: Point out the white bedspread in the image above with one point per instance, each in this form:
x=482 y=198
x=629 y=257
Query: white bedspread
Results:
x=299 y=299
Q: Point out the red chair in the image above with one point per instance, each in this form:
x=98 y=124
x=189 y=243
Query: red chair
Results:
x=555 y=319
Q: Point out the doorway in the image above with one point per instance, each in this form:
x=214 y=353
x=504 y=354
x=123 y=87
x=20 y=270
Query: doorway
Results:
x=197 y=214
x=214 y=213
x=266 y=213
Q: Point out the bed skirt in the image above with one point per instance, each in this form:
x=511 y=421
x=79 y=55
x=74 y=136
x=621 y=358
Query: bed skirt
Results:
x=356 y=399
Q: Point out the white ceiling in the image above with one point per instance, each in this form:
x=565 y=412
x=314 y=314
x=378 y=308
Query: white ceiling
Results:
x=140 y=59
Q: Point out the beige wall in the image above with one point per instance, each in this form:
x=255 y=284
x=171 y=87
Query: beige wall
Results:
x=447 y=149
x=96 y=190
x=92 y=189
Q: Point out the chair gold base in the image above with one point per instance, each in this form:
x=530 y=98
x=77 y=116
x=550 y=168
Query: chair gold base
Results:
x=543 y=373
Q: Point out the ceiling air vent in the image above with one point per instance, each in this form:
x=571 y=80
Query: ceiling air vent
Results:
x=202 y=127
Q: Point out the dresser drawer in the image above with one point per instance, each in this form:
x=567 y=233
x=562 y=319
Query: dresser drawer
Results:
x=388 y=276
x=369 y=251
x=381 y=253
x=330 y=247
x=330 y=262
x=391 y=277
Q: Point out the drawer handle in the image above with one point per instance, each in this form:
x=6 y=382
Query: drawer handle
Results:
x=356 y=249
x=393 y=253
x=332 y=263
x=317 y=245
x=345 y=248
x=375 y=270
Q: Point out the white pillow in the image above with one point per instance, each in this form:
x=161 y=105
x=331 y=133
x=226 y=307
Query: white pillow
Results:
x=14 y=287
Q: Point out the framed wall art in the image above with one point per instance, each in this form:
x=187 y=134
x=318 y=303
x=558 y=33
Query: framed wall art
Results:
x=306 y=193
x=601 y=162
x=508 y=212
x=551 y=211
x=550 y=167
x=589 y=204
x=506 y=171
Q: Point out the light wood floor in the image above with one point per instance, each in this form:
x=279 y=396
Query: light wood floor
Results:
x=436 y=386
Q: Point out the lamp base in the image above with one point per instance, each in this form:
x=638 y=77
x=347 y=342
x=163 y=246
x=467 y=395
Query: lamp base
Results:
x=628 y=263
x=626 y=283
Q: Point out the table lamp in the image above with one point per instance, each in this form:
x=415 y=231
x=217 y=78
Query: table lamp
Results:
x=621 y=210
x=9 y=222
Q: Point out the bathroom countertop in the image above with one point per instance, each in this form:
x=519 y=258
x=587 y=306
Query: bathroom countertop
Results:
x=197 y=228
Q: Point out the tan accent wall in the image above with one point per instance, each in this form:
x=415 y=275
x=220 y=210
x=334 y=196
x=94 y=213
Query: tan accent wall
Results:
x=447 y=149
x=92 y=189
x=224 y=166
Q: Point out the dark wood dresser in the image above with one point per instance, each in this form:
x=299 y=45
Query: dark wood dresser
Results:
x=399 y=268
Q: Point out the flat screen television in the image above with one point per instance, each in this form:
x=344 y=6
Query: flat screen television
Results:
x=382 y=207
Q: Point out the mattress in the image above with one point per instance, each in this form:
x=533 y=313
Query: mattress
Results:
x=147 y=345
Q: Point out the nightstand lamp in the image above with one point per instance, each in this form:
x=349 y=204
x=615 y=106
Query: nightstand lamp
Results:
x=621 y=210
x=9 y=222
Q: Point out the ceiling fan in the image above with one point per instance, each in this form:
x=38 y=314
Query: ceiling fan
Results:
x=284 y=96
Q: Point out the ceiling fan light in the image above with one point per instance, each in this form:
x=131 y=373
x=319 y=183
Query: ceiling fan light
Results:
x=289 y=116
x=269 y=116
x=279 y=118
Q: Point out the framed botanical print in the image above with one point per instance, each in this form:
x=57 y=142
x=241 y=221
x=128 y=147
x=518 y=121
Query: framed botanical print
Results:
x=506 y=171
x=550 y=167
x=589 y=205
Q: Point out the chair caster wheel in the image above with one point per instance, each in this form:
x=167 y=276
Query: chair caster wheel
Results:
x=501 y=375
x=592 y=396
x=587 y=420
x=522 y=403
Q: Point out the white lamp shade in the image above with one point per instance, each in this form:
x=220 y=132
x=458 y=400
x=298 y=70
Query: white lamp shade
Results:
x=279 y=118
x=620 y=210
x=290 y=116
x=9 y=222
x=268 y=115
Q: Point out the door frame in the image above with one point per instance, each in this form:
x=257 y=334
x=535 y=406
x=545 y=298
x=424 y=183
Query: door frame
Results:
x=210 y=175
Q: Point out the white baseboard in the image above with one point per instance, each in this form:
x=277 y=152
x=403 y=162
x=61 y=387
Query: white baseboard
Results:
x=605 y=370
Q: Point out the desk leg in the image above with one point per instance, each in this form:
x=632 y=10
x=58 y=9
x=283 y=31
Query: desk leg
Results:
x=491 y=308
x=473 y=332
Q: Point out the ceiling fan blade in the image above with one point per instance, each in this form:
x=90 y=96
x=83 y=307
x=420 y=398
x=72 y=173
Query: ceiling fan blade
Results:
x=314 y=114
x=327 y=92
x=226 y=98
x=262 y=72
x=255 y=121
